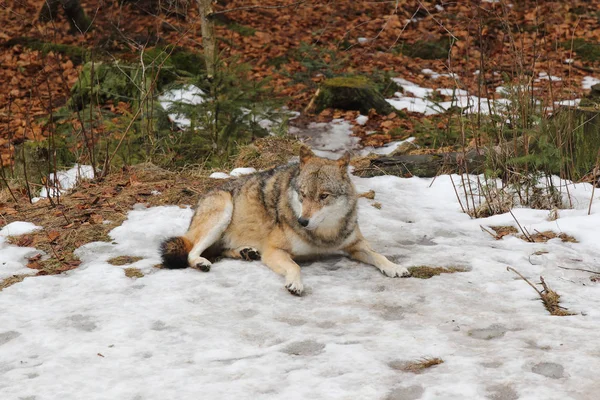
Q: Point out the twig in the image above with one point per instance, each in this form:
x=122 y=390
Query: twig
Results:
x=525 y=279
x=580 y=269
x=495 y=236
x=525 y=233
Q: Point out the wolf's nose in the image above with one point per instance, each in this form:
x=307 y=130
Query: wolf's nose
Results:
x=303 y=222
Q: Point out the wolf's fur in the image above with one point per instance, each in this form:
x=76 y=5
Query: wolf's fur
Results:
x=296 y=210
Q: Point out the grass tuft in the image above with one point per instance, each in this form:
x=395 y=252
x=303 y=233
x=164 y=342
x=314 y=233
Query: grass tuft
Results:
x=124 y=260
x=133 y=273
x=11 y=280
x=425 y=272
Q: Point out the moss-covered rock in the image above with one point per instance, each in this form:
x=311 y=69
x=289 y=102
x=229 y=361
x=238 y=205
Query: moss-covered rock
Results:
x=427 y=50
x=351 y=93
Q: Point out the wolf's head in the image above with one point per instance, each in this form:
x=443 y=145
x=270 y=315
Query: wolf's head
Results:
x=323 y=196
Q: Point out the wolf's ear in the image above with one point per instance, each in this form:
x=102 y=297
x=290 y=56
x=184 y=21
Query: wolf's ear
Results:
x=344 y=161
x=305 y=155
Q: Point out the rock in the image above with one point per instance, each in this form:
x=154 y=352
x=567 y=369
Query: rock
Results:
x=351 y=93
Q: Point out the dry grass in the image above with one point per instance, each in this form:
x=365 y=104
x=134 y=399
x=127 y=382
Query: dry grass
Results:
x=11 y=280
x=425 y=272
x=267 y=152
x=368 y=195
x=93 y=209
x=537 y=237
x=418 y=366
x=377 y=205
x=502 y=231
x=124 y=260
x=543 y=237
x=550 y=298
x=133 y=273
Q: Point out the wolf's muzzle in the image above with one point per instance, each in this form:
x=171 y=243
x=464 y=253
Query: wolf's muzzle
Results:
x=303 y=222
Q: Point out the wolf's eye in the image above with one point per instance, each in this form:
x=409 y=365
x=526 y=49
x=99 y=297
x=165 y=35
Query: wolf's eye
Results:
x=323 y=196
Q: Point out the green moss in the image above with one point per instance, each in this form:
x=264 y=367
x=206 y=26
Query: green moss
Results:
x=173 y=63
x=351 y=93
x=587 y=51
x=427 y=50
x=100 y=82
x=349 y=82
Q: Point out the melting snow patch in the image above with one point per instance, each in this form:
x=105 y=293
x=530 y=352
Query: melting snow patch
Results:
x=242 y=171
x=543 y=76
x=330 y=139
x=568 y=103
x=219 y=175
x=65 y=180
x=13 y=259
x=589 y=81
x=435 y=75
x=422 y=104
x=188 y=94
x=362 y=119
x=387 y=149
x=18 y=228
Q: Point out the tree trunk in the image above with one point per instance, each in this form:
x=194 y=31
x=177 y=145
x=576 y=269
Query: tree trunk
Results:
x=77 y=18
x=424 y=165
x=208 y=36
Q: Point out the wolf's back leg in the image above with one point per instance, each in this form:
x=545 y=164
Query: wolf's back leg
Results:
x=246 y=253
x=210 y=220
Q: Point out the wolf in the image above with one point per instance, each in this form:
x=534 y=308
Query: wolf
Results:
x=298 y=210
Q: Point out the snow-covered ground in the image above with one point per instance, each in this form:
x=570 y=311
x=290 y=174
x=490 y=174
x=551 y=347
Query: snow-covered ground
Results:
x=236 y=333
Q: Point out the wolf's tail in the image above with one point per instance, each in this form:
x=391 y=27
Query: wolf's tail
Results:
x=174 y=252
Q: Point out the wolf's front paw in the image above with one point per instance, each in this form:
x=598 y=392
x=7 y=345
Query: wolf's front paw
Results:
x=295 y=287
x=249 y=254
x=201 y=263
x=395 y=271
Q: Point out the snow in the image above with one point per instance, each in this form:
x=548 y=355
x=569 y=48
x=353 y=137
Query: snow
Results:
x=65 y=180
x=543 y=76
x=435 y=75
x=568 y=103
x=187 y=94
x=13 y=258
x=329 y=140
x=18 y=228
x=235 y=332
x=242 y=171
x=589 y=81
x=362 y=119
x=219 y=175
x=386 y=149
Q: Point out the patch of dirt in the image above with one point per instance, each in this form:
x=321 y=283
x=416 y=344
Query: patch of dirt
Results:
x=124 y=260
x=543 y=237
x=133 y=273
x=416 y=367
x=425 y=272
x=11 y=280
x=502 y=231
